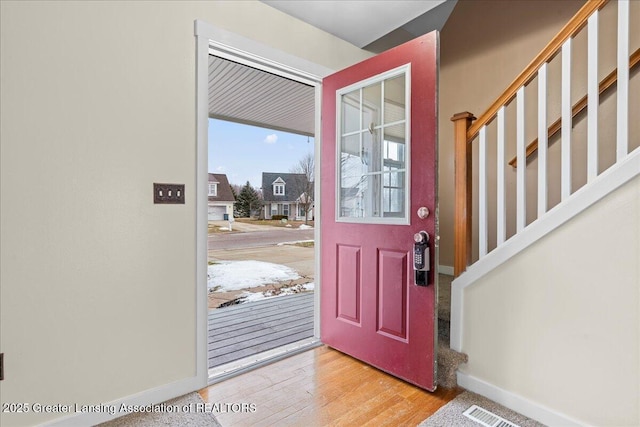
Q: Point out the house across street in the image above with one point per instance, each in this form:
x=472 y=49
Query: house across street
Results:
x=287 y=195
x=220 y=197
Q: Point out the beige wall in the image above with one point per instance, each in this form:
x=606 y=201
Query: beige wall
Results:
x=97 y=103
x=559 y=324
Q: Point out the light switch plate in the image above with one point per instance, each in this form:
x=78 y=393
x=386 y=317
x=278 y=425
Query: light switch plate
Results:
x=168 y=194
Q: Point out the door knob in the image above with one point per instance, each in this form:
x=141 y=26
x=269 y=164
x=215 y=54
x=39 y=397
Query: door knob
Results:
x=423 y=212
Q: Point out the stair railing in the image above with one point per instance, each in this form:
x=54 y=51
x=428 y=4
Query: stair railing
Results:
x=605 y=85
x=467 y=129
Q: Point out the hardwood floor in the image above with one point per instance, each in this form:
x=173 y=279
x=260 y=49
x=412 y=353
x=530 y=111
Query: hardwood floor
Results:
x=322 y=387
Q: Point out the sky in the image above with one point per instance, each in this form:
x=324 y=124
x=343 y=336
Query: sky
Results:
x=243 y=152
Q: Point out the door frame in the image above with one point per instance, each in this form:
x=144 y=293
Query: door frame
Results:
x=211 y=40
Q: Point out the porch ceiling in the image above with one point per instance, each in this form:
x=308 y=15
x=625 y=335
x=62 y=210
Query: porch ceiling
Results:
x=242 y=94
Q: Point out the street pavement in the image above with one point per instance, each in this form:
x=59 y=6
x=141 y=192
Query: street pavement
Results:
x=243 y=226
x=266 y=237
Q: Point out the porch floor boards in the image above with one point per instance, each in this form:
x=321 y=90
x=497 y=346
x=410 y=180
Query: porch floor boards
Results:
x=245 y=329
x=323 y=387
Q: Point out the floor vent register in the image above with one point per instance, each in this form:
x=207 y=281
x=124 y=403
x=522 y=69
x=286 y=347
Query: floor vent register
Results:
x=486 y=418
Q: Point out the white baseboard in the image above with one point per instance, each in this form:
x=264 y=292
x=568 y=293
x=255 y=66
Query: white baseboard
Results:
x=149 y=397
x=445 y=269
x=516 y=402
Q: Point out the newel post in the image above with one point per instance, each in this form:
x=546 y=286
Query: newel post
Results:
x=462 y=210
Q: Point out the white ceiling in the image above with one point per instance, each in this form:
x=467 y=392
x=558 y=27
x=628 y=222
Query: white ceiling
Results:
x=359 y=22
x=245 y=95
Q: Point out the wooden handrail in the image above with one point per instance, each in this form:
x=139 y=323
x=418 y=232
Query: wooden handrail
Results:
x=579 y=106
x=576 y=23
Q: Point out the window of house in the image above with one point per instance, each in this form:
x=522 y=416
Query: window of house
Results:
x=285 y=210
x=213 y=189
x=278 y=189
x=302 y=211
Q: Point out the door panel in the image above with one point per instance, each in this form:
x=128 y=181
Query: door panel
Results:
x=378 y=167
x=348 y=284
x=392 y=294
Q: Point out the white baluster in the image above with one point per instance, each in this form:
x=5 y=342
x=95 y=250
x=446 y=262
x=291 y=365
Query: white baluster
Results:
x=501 y=211
x=521 y=158
x=542 y=140
x=592 y=97
x=482 y=193
x=623 y=80
x=567 y=120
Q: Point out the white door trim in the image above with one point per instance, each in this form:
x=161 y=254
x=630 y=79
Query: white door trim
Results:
x=237 y=48
x=227 y=45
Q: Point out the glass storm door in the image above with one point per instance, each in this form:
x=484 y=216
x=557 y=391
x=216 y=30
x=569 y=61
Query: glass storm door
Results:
x=378 y=167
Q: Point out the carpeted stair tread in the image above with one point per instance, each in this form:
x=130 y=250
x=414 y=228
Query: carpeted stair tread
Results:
x=448 y=362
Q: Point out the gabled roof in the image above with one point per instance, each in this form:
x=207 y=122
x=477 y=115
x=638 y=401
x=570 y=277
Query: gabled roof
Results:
x=294 y=186
x=224 y=189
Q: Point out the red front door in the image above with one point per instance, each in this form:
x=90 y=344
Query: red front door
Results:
x=378 y=168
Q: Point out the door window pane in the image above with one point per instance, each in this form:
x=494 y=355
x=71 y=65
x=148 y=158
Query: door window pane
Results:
x=351 y=112
x=394 y=147
x=393 y=194
x=371 y=106
x=372 y=153
x=394 y=100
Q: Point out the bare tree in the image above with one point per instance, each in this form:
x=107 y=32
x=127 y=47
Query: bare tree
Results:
x=305 y=183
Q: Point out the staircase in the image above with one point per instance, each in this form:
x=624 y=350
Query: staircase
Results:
x=541 y=238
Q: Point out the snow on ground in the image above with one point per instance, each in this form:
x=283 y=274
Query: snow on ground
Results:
x=304 y=227
x=236 y=275
x=256 y=296
x=294 y=242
